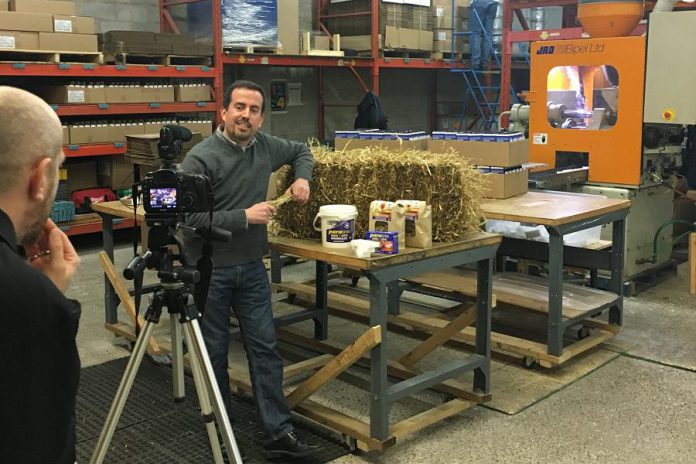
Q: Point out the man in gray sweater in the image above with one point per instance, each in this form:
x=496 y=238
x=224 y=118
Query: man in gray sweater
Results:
x=239 y=161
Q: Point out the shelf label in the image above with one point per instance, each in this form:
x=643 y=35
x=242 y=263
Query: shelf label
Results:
x=76 y=96
x=540 y=139
x=62 y=25
x=7 y=42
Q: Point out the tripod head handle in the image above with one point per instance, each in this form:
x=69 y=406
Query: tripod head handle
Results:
x=136 y=266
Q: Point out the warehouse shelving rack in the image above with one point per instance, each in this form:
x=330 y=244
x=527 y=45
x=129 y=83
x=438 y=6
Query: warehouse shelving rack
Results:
x=97 y=71
x=374 y=62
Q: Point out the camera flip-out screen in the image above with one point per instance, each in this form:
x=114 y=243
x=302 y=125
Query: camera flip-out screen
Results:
x=163 y=198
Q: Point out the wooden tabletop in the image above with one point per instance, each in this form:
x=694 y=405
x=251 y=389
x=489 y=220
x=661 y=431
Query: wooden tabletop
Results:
x=551 y=208
x=118 y=209
x=313 y=250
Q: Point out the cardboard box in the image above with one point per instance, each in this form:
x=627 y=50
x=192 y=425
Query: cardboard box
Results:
x=205 y=128
x=158 y=94
x=18 y=40
x=118 y=132
x=501 y=154
x=392 y=145
x=684 y=209
x=42 y=6
x=124 y=94
x=359 y=42
x=62 y=94
x=89 y=134
x=62 y=42
x=28 y=22
x=73 y=24
x=289 y=26
x=408 y=39
x=192 y=93
x=66 y=135
x=82 y=174
x=505 y=185
x=115 y=172
x=153 y=127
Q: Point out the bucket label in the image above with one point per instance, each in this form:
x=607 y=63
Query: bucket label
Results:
x=340 y=231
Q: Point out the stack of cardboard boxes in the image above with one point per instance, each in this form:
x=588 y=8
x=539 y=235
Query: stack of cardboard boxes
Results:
x=80 y=133
x=151 y=43
x=46 y=26
x=77 y=133
x=402 y=26
x=501 y=157
x=443 y=19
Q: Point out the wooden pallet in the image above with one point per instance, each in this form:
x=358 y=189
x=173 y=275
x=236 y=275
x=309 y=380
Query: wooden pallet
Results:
x=44 y=56
x=155 y=59
x=264 y=49
x=446 y=56
x=405 y=53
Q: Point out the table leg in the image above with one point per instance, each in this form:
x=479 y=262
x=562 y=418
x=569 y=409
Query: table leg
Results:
x=555 y=319
x=379 y=400
x=616 y=282
x=276 y=267
x=110 y=299
x=321 y=322
x=394 y=291
x=484 y=290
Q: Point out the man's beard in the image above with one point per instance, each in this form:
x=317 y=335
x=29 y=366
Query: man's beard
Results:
x=238 y=136
x=39 y=216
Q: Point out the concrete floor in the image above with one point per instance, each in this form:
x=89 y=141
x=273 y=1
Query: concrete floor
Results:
x=638 y=405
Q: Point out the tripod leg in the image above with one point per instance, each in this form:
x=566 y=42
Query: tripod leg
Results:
x=121 y=397
x=204 y=401
x=198 y=349
x=177 y=359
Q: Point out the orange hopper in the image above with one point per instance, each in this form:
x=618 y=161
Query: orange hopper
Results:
x=613 y=18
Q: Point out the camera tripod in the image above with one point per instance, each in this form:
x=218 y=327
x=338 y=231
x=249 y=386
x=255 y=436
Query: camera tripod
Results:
x=175 y=295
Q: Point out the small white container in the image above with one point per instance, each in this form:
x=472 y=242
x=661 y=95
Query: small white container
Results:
x=337 y=225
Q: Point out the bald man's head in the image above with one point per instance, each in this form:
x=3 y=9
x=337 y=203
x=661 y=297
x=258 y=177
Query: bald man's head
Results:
x=29 y=130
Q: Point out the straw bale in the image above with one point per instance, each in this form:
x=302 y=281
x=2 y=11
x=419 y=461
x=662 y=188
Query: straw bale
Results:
x=445 y=181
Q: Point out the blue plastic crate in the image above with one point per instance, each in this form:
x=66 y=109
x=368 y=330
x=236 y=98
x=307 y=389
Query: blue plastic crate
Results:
x=63 y=211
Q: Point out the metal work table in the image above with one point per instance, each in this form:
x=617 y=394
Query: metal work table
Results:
x=562 y=213
x=384 y=271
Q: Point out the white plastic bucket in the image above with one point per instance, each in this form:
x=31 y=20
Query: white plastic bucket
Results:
x=337 y=225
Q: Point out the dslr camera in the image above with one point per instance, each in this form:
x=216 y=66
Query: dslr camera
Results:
x=170 y=193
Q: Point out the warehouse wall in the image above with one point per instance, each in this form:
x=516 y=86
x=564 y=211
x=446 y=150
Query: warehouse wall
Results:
x=141 y=15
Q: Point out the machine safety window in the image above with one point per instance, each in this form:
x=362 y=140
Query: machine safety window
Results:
x=583 y=97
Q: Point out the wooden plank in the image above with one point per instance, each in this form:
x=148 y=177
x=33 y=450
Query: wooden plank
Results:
x=585 y=344
x=439 y=337
x=692 y=263
x=429 y=417
x=127 y=331
x=313 y=250
x=451 y=387
x=525 y=291
x=305 y=366
x=551 y=208
x=326 y=416
x=126 y=301
x=368 y=340
x=356 y=308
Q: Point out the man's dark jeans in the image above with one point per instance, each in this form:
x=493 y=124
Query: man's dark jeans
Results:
x=245 y=288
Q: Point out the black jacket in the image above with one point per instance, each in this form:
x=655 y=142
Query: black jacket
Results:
x=39 y=365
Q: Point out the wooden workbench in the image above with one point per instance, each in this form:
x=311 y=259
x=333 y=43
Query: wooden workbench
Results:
x=384 y=272
x=560 y=213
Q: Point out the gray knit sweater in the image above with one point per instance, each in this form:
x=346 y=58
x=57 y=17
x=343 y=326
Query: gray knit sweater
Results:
x=240 y=180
